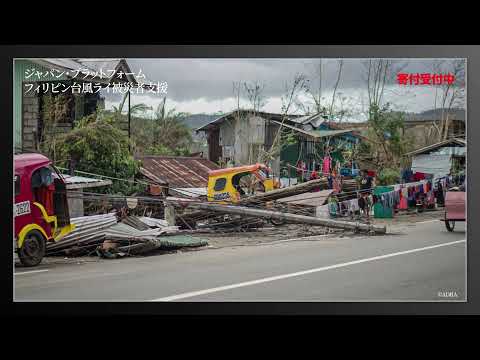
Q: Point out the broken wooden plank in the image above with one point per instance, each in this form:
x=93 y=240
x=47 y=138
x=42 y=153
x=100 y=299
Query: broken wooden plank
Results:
x=310 y=198
x=322 y=184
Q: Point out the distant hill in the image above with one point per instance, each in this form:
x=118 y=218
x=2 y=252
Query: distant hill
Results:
x=197 y=120
x=455 y=113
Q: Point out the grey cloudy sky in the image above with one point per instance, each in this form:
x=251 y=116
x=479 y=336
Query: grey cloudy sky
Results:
x=206 y=85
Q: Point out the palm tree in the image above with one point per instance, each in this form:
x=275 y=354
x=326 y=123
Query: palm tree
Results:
x=135 y=109
x=169 y=129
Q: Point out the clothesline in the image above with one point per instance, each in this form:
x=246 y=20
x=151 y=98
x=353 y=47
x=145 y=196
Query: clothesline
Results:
x=389 y=199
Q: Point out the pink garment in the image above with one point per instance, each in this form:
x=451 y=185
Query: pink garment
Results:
x=326 y=165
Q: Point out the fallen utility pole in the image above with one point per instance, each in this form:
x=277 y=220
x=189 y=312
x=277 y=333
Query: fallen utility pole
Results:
x=267 y=214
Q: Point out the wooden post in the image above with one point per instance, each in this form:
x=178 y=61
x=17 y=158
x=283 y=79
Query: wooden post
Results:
x=129 y=134
x=169 y=214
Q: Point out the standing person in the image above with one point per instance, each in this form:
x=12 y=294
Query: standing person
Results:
x=327 y=165
x=364 y=203
x=366 y=184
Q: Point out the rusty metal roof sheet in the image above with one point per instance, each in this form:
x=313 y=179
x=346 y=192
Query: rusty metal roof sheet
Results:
x=177 y=171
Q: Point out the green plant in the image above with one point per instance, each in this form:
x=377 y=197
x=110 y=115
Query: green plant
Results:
x=169 y=130
x=96 y=146
x=387 y=141
x=55 y=110
x=388 y=176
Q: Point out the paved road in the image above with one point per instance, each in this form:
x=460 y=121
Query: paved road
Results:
x=422 y=263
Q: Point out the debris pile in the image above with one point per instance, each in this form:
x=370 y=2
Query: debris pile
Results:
x=108 y=237
x=120 y=233
x=122 y=240
x=293 y=204
x=88 y=234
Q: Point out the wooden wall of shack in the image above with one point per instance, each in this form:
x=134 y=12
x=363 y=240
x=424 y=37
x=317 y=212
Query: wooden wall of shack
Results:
x=241 y=139
x=214 y=148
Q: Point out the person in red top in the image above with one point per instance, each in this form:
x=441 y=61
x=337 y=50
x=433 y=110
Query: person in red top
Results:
x=314 y=176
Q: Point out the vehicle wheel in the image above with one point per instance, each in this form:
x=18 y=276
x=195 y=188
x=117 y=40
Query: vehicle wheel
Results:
x=450 y=225
x=33 y=249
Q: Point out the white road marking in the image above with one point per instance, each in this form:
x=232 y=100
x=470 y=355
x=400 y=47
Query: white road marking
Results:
x=30 y=272
x=300 y=273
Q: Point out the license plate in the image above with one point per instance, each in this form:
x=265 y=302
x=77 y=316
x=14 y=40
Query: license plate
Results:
x=22 y=208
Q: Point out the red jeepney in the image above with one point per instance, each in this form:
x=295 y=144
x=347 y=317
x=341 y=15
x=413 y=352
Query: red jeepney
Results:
x=40 y=208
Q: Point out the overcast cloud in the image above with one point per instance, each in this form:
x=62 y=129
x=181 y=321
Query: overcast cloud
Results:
x=206 y=85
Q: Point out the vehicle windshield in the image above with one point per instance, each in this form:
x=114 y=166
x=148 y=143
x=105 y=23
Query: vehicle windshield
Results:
x=264 y=173
x=56 y=173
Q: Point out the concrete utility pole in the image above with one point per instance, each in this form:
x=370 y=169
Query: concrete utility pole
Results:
x=267 y=214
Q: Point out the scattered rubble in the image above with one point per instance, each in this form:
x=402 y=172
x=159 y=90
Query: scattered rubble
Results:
x=110 y=238
x=88 y=233
x=120 y=233
x=278 y=201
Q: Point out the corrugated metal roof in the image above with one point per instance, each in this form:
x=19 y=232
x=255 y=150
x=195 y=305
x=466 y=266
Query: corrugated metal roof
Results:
x=440 y=144
x=308 y=133
x=327 y=133
x=192 y=192
x=78 y=179
x=307 y=119
x=265 y=115
x=76 y=182
x=317 y=134
x=177 y=171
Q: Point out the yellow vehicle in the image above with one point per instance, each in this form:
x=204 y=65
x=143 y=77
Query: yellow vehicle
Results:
x=231 y=184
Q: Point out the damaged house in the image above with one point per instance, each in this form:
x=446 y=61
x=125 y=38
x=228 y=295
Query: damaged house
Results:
x=440 y=159
x=240 y=137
